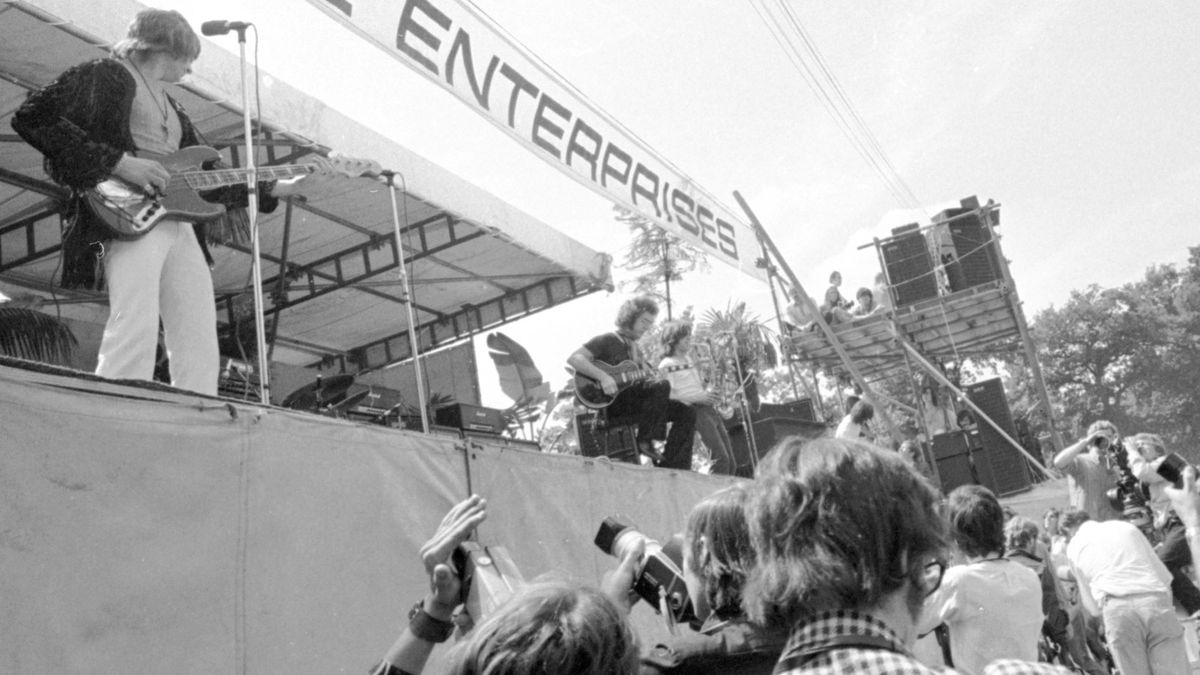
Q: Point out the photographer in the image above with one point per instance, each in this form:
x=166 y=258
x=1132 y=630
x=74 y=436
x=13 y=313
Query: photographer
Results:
x=717 y=559
x=546 y=627
x=1146 y=455
x=1087 y=469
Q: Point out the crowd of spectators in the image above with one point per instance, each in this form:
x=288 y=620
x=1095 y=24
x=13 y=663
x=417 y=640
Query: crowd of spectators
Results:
x=837 y=558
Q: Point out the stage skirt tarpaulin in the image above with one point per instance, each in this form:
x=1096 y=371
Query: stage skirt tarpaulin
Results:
x=143 y=529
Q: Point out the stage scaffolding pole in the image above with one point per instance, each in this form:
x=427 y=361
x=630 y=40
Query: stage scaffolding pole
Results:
x=811 y=306
x=962 y=396
x=783 y=332
x=1031 y=358
x=927 y=447
x=406 y=290
x=922 y=422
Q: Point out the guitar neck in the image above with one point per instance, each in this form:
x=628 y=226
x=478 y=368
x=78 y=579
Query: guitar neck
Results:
x=207 y=180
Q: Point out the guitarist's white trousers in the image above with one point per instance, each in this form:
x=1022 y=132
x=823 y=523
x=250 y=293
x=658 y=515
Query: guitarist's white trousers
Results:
x=161 y=273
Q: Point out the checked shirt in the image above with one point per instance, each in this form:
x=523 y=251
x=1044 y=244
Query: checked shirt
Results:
x=846 y=642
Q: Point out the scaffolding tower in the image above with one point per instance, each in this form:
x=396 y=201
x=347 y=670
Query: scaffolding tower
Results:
x=951 y=297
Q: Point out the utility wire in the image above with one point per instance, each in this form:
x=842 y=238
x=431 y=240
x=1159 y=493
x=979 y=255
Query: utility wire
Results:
x=802 y=52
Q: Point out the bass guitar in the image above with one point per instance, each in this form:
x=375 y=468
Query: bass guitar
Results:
x=626 y=374
x=129 y=212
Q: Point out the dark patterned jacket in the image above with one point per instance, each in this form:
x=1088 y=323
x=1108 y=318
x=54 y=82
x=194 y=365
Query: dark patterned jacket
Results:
x=80 y=124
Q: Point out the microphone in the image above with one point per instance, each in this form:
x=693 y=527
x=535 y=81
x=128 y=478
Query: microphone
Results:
x=219 y=27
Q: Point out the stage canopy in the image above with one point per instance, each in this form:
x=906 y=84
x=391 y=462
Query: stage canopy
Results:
x=330 y=265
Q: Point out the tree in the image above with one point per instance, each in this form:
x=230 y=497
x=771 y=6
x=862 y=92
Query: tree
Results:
x=1129 y=354
x=658 y=256
x=743 y=346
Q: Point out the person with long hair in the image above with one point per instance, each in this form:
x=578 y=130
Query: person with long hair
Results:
x=549 y=628
x=848 y=544
x=114 y=118
x=687 y=387
x=644 y=400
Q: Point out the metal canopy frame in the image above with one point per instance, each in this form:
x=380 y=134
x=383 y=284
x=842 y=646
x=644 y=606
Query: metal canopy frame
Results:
x=330 y=261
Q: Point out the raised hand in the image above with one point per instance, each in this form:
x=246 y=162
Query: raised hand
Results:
x=456 y=527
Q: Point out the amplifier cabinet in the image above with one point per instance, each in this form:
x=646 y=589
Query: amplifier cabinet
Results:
x=469 y=418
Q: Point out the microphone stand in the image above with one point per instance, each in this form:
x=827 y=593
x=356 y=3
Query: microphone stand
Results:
x=743 y=405
x=260 y=328
x=406 y=289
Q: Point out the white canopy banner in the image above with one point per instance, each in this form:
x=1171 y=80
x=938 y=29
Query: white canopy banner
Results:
x=454 y=45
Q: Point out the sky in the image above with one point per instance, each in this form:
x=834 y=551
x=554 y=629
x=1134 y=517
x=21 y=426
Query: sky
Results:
x=1078 y=118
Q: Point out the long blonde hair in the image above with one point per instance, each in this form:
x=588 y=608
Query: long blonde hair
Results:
x=550 y=628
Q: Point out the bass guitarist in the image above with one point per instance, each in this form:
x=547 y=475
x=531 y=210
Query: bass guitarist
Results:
x=99 y=120
x=645 y=403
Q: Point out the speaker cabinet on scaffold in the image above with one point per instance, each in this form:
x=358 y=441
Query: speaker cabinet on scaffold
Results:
x=976 y=256
x=909 y=268
x=1009 y=467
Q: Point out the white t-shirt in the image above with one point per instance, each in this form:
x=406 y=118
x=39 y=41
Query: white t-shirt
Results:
x=1115 y=558
x=685 y=380
x=993 y=609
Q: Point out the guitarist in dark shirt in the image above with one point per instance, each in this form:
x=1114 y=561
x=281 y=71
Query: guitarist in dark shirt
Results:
x=644 y=403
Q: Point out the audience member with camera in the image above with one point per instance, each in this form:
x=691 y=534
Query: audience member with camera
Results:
x=1088 y=475
x=546 y=627
x=1122 y=580
x=849 y=544
x=429 y=622
x=991 y=604
x=1148 y=461
x=717 y=558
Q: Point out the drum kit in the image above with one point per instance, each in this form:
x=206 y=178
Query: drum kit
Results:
x=331 y=397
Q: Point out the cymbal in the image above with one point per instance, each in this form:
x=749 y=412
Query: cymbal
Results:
x=322 y=392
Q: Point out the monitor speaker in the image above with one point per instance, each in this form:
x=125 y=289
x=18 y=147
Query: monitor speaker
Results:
x=801 y=409
x=767 y=432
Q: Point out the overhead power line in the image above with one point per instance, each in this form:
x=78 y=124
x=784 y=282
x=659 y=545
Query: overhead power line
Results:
x=787 y=30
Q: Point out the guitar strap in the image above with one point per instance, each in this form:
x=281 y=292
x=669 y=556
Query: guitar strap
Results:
x=632 y=346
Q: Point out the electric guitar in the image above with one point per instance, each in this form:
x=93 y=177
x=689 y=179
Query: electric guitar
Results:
x=626 y=373
x=129 y=212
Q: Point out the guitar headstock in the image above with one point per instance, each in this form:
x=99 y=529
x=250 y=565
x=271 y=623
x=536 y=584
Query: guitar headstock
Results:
x=352 y=167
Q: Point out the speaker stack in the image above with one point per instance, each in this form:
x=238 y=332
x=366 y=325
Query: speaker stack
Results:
x=909 y=266
x=1009 y=467
x=981 y=455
